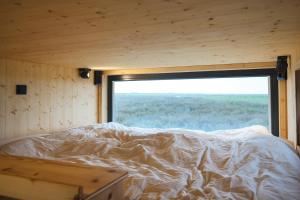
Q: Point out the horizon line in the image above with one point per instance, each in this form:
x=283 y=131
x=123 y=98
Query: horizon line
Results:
x=190 y=93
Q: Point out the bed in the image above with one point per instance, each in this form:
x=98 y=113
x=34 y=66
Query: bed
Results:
x=247 y=163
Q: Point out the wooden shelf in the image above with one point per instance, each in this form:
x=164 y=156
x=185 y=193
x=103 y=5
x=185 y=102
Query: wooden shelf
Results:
x=28 y=178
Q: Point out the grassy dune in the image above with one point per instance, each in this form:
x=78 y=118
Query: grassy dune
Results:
x=192 y=111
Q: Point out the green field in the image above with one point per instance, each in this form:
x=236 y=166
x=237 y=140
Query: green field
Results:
x=192 y=111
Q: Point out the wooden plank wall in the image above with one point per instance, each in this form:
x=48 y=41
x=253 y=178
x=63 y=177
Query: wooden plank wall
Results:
x=57 y=99
x=291 y=102
x=298 y=105
x=291 y=95
x=196 y=68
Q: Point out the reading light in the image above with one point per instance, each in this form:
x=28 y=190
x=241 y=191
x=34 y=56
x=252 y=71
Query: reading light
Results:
x=84 y=73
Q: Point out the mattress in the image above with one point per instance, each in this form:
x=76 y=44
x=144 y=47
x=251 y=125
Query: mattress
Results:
x=246 y=163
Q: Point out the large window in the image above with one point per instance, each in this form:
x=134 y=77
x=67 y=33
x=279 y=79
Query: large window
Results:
x=199 y=100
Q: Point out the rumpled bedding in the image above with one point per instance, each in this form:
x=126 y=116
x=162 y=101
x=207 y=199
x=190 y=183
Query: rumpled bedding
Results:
x=246 y=163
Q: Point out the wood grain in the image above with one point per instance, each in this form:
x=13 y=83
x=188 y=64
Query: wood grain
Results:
x=215 y=67
x=294 y=64
x=57 y=99
x=27 y=189
x=3 y=97
x=61 y=176
x=283 y=123
x=156 y=33
x=298 y=105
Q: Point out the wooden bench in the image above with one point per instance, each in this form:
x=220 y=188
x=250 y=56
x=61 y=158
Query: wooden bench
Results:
x=36 y=179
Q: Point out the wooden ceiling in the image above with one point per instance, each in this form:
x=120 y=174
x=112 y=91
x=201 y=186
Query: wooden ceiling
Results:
x=148 y=33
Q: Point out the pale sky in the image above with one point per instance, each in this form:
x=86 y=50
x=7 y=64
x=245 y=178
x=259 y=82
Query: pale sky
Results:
x=249 y=85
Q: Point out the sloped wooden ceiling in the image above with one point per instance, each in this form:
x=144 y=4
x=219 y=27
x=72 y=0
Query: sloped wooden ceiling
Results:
x=148 y=33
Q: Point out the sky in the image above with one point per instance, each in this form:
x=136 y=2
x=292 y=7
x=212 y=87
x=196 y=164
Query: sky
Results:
x=248 y=85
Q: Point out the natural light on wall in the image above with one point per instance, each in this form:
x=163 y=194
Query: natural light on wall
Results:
x=206 y=103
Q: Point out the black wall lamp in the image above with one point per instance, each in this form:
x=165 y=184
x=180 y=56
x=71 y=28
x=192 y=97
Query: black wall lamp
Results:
x=84 y=73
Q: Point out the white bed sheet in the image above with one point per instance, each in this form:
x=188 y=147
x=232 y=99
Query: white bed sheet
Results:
x=244 y=163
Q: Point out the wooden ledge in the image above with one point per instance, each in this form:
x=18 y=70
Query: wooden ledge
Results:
x=77 y=179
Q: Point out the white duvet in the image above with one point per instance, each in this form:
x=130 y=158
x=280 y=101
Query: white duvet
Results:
x=245 y=163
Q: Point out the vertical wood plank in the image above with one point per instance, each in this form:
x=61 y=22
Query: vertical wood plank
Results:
x=75 y=112
x=297 y=88
x=45 y=99
x=2 y=95
x=81 y=103
x=283 y=109
x=16 y=105
x=104 y=99
x=68 y=99
x=34 y=112
x=60 y=96
x=99 y=105
x=11 y=103
x=92 y=100
x=23 y=104
x=54 y=99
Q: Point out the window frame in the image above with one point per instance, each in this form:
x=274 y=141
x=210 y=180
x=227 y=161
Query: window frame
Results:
x=270 y=72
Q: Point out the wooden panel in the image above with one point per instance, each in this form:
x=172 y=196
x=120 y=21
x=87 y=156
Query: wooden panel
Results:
x=85 y=101
x=156 y=33
x=81 y=114
x=294 y=64
x=57 y=97
x=99 y=102
x=298 y=105
x=68 y=97
x=26 y=189
x=112 y=192
x=2 y=96
x=216 y=67
x=21 y=119
x=283 y=109
x=88 y=180
x=48 y=105
x=44 y=99
x=33 y=98
x=11 y=103
x=104 y=106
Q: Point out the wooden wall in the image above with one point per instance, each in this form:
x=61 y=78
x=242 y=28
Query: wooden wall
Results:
x=291 y=95
x=57 y=99
x=298 y=106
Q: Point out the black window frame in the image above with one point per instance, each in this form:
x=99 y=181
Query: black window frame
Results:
x=270 y=72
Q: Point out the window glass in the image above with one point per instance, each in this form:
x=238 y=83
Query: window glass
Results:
x=205 y=103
